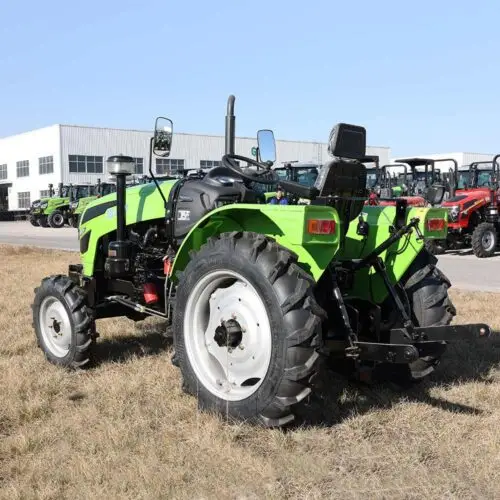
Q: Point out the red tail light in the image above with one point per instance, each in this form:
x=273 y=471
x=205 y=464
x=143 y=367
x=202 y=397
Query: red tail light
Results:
x=320 y=226
x=435 y=225
x=150 y=295
x=167 y=266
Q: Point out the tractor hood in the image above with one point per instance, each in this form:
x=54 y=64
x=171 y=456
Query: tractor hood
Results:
x=466 y=197
x=143 y=202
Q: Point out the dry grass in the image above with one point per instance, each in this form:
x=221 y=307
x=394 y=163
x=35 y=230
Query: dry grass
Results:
x=125 y=430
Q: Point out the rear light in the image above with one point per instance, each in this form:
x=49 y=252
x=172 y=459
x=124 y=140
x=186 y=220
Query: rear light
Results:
x=167 y=266
x=320 y=226
x=435 y=225
x=150 y=295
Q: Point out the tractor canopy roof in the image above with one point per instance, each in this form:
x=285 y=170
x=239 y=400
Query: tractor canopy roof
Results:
x=416 y=161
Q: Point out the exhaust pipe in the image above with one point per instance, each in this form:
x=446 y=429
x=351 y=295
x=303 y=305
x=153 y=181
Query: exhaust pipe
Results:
x=230 y=126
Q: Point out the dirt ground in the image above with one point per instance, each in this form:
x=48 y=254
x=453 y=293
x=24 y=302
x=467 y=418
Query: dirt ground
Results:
x=124 y=429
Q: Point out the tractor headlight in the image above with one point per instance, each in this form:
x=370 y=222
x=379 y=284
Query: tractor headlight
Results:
x=453 y=213
x=73 y=204
x=35 y=204
x=45 y=204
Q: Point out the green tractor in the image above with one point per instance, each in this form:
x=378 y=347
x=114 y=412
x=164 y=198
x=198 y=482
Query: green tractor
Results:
x=42 y=208
x=78 y=204
x=258 y=295
x=55 y=211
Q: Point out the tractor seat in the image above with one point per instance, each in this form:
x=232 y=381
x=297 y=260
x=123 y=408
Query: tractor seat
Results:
x=339 y=183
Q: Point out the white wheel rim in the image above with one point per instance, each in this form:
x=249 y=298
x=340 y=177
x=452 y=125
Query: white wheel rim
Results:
x=55 y=326
x=230 y=373
x=488 y=240
x=58 y=219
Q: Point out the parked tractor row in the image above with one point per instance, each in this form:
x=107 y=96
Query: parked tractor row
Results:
x=259 y=295
x=65 y=205
x=471 y=198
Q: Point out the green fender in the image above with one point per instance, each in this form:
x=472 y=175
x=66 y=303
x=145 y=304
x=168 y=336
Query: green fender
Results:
x=287 y=224
x=398 y=258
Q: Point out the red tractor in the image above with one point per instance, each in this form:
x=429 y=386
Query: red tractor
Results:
x=473 y=210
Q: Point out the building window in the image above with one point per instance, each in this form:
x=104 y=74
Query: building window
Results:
x=46 y=165
x=209 y=163
x=168 y=166
x=139 y=165
x=80 y=164
x=23 y=199
x=45 y=193
x=213 y=163
x=23 y=168
x=3 y=171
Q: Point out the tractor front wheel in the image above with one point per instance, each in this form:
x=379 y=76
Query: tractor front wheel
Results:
x=62 y=322
x=56 y=219
x=484 y=240
x=246 y=329
x=33 y=220
x=73 y=220
x=42 y=220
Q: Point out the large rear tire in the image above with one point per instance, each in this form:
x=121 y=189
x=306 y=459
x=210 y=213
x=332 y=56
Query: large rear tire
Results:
x=427 y=290
x=62 y=322
x=484 y=240
x=246 y=328
x=435 y=247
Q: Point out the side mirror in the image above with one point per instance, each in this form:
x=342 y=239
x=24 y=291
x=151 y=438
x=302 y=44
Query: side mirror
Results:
x=162 y=141
x=267 y=146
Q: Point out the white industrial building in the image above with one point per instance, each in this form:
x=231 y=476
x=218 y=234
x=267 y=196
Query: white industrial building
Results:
x=461 y=158
x=30 y=161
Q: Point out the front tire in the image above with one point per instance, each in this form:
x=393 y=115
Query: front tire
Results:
x=33 y=221
x=246 y=328
x=484 y=240
x=42 y=220
x=62 y=322
x=73 y=220
x=56 y=219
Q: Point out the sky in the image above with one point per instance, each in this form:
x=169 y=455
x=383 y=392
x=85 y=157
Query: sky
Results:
x=421 y=77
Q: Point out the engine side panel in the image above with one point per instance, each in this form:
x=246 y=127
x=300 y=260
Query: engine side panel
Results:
x=143 y=203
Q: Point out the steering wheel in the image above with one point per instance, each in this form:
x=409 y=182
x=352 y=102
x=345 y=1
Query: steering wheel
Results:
x=266 y=176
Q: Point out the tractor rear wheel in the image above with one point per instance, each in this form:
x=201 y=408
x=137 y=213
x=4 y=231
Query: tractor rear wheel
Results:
x=62 y=322
x=56 y=219
x=435 y=247
x=246 y=328
x=427 y=290
x=484 y=240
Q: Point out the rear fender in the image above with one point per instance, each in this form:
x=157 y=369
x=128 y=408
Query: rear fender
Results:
x=286 y=224
x=398 y=258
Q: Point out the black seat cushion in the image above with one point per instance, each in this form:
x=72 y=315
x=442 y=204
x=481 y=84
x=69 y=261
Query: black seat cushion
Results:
x=343 y=181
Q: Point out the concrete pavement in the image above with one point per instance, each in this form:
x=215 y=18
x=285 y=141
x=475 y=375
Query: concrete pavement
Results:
x=464 y=270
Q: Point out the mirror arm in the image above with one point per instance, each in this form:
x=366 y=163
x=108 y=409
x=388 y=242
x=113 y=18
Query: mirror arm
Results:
x=151 y=145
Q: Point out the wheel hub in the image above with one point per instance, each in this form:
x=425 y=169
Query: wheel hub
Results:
x=487 y=240
x=228 y=334
x=55 y=326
